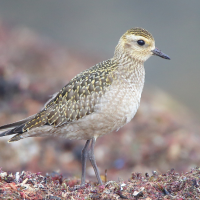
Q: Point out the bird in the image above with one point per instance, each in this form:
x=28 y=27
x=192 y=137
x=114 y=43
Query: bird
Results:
x=97 y=101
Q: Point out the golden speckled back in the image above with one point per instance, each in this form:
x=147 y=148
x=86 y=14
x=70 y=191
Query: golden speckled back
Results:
x=77 y=99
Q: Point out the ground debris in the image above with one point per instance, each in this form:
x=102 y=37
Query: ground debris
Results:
x=170 y=185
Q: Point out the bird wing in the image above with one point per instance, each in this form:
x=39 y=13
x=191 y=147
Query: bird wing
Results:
x=74 y=101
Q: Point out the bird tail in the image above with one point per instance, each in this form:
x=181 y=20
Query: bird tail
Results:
x=13 y=128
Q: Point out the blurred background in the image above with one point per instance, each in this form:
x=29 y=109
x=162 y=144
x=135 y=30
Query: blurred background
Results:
x=44 y=44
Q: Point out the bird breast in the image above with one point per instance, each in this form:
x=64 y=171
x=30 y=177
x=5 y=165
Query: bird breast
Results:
x=121 y=102
x=116 y=107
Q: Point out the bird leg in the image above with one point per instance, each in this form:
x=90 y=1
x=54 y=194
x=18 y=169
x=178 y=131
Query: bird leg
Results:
x=84 y=156
x=89 y=153
x=93 y=161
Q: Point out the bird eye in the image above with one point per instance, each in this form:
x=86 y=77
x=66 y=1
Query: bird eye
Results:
x=141 y=42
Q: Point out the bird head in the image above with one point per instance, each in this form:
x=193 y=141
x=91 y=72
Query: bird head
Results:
x=139 y=44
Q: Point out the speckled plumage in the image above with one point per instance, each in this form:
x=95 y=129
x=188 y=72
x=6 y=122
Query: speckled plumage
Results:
x=77 y=99
x=97 y=101
x=87 y=105
x=139 y=32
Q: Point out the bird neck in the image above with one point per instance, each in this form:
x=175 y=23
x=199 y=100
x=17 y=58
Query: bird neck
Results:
x=129 y=68
x=128 y=64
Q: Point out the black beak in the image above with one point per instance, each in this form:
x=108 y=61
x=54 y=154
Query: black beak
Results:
x=158 y=52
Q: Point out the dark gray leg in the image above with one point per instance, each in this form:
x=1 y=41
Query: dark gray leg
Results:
x=93 y=162
x=84 y=160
